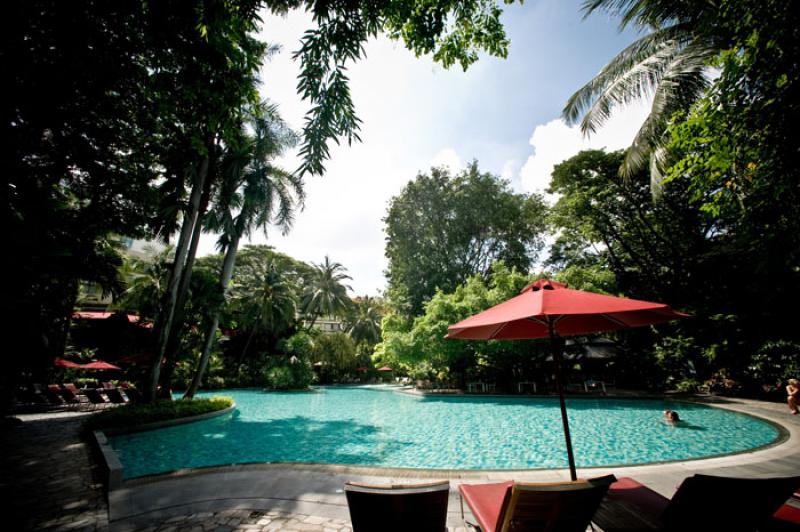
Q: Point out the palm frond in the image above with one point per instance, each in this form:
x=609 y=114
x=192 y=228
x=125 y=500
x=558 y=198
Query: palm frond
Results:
x=684 y=80
x=632 y=74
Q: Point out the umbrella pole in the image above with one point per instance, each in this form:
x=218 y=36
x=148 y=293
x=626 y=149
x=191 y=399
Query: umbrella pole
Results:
x=557 y=360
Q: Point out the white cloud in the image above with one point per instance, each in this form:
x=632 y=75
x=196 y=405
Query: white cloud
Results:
x=448 y=158
x=415 y=115
x=555 y=142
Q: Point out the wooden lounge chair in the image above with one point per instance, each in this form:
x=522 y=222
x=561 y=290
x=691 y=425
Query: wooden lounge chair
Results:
x=56 y=392
x=115 y=395
x=132 y=394
x=51 y=395
x=420 y=507
x=97 y=398
x=702 y=502
x=547 y=507
x=73 y=395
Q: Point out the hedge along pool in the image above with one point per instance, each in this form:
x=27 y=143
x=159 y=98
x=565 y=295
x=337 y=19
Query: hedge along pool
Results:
x=375 y=426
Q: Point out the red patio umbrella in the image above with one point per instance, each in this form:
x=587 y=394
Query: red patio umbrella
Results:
x=550 y=309
x=64 y=363
x=385 y=368
x=99 y=364
x=94 y=315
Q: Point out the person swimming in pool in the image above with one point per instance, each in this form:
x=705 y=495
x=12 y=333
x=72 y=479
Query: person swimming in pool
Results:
x=671 y=416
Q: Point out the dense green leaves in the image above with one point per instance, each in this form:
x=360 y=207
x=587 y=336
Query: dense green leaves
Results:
x=363 y=321
x=669 y=64
x=325 y=293
x=442 y=229
x=604 y=220
x=137 y=415
x=452 y=31
x=423 y=351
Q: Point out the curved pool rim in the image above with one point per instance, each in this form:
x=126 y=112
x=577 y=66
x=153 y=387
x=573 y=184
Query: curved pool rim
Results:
x=783 y=435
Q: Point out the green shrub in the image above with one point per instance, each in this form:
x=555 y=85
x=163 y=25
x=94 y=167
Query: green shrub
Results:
x=137 y=415
x=721 y=382
x=775 y=363
x=289 y=376
x=687 y=385
x=214 y=382
x=280 y=378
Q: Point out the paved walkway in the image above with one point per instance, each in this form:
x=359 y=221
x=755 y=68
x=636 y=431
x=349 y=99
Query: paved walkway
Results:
x=49 y=479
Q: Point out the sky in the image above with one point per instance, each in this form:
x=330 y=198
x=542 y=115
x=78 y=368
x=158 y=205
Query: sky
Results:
x=504 y=113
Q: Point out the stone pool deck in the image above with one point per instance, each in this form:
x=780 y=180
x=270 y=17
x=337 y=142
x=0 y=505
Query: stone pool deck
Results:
x=50 y=482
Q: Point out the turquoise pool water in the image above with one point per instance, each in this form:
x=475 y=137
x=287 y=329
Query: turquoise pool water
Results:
x=379 y=427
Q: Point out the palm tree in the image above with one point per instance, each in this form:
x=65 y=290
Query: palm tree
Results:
x=671 y=64
x=254 y=194
x=266 y=301
x=363 y=323
x=146 y=281
x=325 y=295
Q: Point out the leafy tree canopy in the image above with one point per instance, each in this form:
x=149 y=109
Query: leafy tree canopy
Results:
x=423 y=351
x=442 y=229
x=453 y=31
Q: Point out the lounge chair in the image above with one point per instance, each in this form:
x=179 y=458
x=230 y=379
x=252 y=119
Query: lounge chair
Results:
x=73 y=395
x=96 y=398
x=787 y=518
x=132 y=394
x=558 y=506
x=420 y=507
x=115 y=395
x=703 y=502
x=52 y=396
x=67 y=397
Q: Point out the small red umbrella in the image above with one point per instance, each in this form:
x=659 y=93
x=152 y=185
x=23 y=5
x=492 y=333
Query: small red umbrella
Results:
x=385 y=368
x=99 y=364
x=64 y=363
x=550 y=309
x=94 y=315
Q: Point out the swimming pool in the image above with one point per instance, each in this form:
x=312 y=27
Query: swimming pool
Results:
x=376 y=426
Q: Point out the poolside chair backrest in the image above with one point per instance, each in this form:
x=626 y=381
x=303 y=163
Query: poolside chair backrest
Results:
x=552 y=507
x=53 y=394
x=705 y=502
x=133 y=395
x=419 y=507
x=115 y=396
x=95 y=397
x=72 y=388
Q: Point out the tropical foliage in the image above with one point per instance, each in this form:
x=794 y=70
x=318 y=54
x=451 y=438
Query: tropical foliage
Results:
x=138 y=415
x=423 y=352
x=363 y=321
x=669 y=64
x=324 y=293
x=131 y=138
x=442 y=229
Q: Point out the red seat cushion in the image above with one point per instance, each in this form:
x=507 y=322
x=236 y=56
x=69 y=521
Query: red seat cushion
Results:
x=788 y=513
x=628 y=490
x=486 y=502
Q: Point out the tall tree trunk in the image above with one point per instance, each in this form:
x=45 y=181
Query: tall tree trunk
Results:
x=167 y=314
x=225 y=280
x=174 y=339
x=246 y=347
